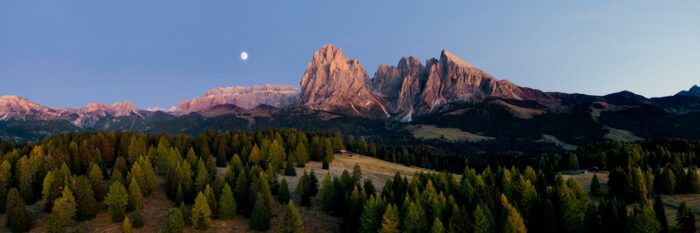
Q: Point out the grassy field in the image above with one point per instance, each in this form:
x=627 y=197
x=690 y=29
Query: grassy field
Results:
x=451 y=134
x=157 y=205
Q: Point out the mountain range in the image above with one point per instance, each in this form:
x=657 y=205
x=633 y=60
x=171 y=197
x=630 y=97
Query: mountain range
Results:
x=446 y=93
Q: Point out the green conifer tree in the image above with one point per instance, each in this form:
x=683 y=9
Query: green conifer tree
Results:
x=174 y=222
x=97 y=180
x=201 y=214
x=642 y=219
x=87 y=206
x=685 y=219
x=437 y=227
x=17 y=217
x=117 y=200
x=227 y=204
x=283 y=193
x=390 y=220
x=483 y=220
x=260 y=217
x=291 y=221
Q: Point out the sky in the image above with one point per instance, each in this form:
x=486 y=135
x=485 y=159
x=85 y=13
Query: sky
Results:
x=154 y=53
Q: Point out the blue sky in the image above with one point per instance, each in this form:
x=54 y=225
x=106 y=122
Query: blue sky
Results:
x=154 y=53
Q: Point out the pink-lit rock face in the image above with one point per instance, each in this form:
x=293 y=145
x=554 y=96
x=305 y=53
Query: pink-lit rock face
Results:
x=413 y=89
x=332 y=82
x=19 y=108
x=244 y=97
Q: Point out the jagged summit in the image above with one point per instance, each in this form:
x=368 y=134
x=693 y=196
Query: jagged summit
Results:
x=410 y=88
x=447 y=56
x=333 y=82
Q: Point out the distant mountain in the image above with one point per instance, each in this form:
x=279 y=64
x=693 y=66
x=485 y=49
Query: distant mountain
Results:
x=337 y=95
x=19 y=108
x=243 y=97
x=693 y=91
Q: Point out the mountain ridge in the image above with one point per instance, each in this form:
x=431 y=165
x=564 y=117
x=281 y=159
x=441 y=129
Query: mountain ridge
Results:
x=337 y=93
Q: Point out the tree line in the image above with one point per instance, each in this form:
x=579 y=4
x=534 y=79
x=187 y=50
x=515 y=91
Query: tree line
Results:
x=224 y=175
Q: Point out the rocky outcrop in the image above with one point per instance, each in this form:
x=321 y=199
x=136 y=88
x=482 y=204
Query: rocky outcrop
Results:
x=332 y=82
x=243 y=97
x=412 y=89
x=19 y=108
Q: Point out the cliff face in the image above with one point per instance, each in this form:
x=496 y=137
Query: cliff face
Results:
x=332 y=82
x=244 y=97
x=413 y=89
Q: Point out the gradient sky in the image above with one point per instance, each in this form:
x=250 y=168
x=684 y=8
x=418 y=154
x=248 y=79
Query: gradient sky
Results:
x=154 y=53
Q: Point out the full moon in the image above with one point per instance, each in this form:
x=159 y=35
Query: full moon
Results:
x=244 y=55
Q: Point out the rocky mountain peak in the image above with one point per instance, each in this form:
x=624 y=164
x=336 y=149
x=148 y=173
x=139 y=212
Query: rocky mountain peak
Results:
x=333 y=82
x=124 y=108
x=449 y=58
x=20 y=108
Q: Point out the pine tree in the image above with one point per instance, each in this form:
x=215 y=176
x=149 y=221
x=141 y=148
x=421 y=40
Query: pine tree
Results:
x=643 y=219
x=201 y=214
x=50 y=190
x=202 y=176
x=415 y=219
x=283 y=193
x=5 y=180
x=97 y=181
x=291 y=222
x=390 y=220
x=301 y=154
x=328 y=150
x=693 y=180
x=685 y=219
x=211 y=200
x=327 y=193
x=458 y=221
x=324 y=164
x=260 y=217
x=174 y=222
x=255 y=155
x=437 y=226
x=483 y=220
x=668 y=181
x=25 y=177
x=512 y=221
x=63 y=211
x=370 y=221
x=289 y=170
x=126 y=226
x=227 y=204
x=135 y=195
x=149 y=175
x=303 y=190
x=87 y=206
x=117 y=200
x=595 y=185
x=17 y=217
x=637 y=189
x=660 y=213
